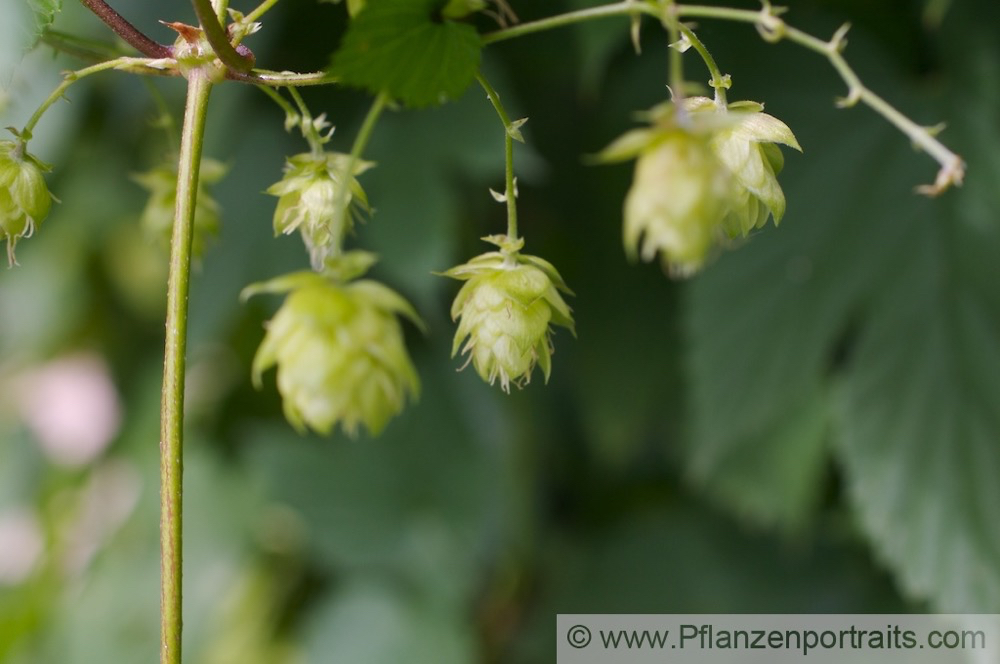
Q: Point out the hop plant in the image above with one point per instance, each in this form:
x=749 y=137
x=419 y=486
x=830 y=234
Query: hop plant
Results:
x=506 y=307
x=703 y=173
x=157 y=218
x=308 y=196
x=338 y=347
x=24 y=197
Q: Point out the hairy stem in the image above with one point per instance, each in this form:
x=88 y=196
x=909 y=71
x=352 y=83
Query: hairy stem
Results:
x=309 y=131
x=365 y=132
x=718 y=81
x=281 y=79
x=172 y=404
x=675 y=72
x=625 y=8
x=291 y=115
x=131 y=34
x=221 y=9
x=773 y=28
x=72 y=77
x=510 y=131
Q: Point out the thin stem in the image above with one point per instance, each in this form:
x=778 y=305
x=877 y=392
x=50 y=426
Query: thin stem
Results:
x=305 y=119
x=72 y=77
x=625 y=8
x=172 y=404
x=131 y=34
x=221 y=6
x=773 y=28
x=301 y=103
x=510 y=131
x=79 y=47
x=676 y=71
x=281 y=79
x=360 y=143
x=276 y=97
x=718 y=81
x=511 y=187
x=217 y=37
x=261 y=9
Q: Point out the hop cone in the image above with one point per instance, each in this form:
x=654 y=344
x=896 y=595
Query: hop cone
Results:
x=748 y=148
x=158 y=216
x=339 y=352
x=505 y=309
x=24 y=198
x=307 y=201
x=703 y=173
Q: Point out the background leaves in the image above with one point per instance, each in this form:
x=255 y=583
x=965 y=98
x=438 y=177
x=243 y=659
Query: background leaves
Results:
x=405 y=48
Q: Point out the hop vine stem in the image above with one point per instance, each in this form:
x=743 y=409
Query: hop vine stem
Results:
x=510 y=131
x=172 y=403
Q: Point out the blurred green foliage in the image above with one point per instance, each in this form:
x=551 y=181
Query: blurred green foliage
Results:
x=812 y=425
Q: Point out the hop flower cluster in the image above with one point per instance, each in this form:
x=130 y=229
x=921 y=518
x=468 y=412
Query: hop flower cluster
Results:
x=338 y=347
x=703 y=173
x=506 y=307
x=24 y=198
x=308 y=197
x=157 y=218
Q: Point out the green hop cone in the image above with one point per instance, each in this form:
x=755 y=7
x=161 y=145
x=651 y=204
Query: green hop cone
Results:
x=748 y=148
x=24 y=197
x=506 y=307
x=703 y=173
x=157 y=218
x=338 y=347
x=679 y=193
x=307 y=201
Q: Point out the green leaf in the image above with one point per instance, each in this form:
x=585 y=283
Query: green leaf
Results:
x=44 y=12
x=885 y=307
x=923 y=465
x=763 y=323
x=404 y=48
x=414 y=628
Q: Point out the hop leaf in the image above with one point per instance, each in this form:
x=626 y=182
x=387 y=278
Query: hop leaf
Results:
x=339 y=351
x=506 y=308
x=411 y=49
x=157 y=218
x=307 y=200
x=24 y=197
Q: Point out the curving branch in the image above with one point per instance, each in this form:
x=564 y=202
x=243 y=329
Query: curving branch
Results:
x=135 y=37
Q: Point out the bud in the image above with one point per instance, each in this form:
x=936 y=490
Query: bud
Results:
x=339 y=350
x=307 y=199
x=24 y=198
x=506 y=308
x=157 y=218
